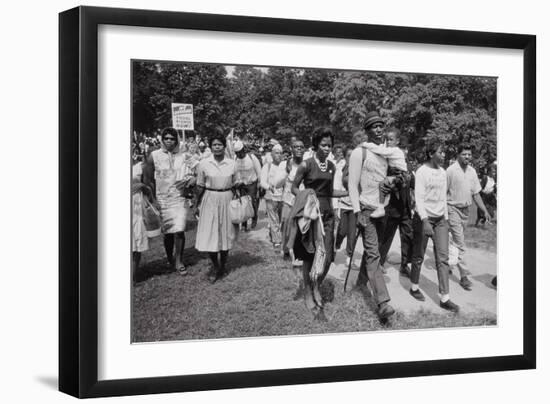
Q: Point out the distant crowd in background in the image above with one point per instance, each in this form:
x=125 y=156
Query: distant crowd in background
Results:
x=318 y=194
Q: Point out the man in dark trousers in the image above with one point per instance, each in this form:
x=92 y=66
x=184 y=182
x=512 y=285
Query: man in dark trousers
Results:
x=398 y=213
x=366 y=171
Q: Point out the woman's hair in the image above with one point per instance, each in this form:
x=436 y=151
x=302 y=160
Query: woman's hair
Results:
x=217 y=134
x=431 y=148
x=319 y=134
x=169 y=131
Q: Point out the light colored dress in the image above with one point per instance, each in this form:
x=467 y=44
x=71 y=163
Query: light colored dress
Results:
x=169 y=168
x=140 y=242
x=215 y=232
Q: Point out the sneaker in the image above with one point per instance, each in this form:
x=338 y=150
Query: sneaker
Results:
x=297 y=263
x=466 y=283
x=448 y=305
x=378 y=212
x=385 y=311
x=417 y=294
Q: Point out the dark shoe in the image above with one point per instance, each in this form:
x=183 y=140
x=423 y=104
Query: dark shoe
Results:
x=417 y=294
x=465 y=283
x=385 y=311
x=214 y=276
x=319 y=315
x=448 y=305
x=494 y=281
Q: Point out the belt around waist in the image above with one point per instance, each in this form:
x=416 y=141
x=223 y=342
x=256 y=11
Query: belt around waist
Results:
x=218 y=190
x=462 y=207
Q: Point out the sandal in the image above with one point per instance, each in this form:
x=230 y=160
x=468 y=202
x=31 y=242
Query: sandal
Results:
x=182 y=270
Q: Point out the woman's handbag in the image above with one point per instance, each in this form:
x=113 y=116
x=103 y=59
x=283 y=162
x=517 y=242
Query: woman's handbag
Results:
x=151 y=218
x=241 y=209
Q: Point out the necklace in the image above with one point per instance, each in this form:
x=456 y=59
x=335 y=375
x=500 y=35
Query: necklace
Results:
x=322 y=166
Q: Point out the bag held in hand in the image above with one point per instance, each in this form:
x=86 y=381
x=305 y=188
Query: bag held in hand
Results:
x=151 y=218
x=241 y=209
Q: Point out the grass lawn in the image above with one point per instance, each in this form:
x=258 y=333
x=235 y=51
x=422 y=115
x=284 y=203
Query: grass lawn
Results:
x=256 y=298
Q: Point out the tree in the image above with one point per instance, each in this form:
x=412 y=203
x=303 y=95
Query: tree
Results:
x=158 y=85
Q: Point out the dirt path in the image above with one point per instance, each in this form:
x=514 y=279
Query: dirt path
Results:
x=482 y=265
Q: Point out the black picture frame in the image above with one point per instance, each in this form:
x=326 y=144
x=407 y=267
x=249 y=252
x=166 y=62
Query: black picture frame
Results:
x=78 y=201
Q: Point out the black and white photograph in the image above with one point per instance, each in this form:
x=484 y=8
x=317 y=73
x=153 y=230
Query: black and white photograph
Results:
x=283 y=201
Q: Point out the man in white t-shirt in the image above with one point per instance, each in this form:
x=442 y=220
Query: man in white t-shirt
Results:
x=463 y=187
x=430 y=221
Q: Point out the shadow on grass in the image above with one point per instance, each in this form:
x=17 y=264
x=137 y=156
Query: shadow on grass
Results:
x=428 y=287
x=242 y=260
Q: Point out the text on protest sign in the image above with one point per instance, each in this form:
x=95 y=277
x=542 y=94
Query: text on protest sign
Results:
x=182 y=116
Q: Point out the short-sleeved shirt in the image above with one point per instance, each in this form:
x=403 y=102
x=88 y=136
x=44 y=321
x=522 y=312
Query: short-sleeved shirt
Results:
x=461 y=185
x=247 y=169
x=212 y=174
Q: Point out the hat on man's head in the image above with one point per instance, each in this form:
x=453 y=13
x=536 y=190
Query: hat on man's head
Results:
x=371 y=118
x=238 y=146
x=277 y=147
x=273 y=142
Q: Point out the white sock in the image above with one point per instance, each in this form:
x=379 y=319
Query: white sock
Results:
x=444 y=298
x=414 y=287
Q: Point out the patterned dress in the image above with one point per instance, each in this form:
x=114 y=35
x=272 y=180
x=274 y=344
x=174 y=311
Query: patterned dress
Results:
x=169 y=168
x=215 y=232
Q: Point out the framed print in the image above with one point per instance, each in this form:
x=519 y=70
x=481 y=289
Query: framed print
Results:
x=231 y=188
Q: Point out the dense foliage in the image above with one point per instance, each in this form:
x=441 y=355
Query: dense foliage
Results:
x=277 y=102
